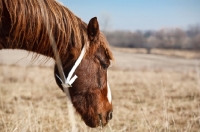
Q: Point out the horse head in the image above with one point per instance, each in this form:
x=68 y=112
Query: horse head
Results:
x=90 y=92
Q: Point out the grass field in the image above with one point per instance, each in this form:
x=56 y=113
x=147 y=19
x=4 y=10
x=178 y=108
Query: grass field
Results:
x=157 y=93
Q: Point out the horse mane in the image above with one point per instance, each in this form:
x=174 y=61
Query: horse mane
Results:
x=32 y=22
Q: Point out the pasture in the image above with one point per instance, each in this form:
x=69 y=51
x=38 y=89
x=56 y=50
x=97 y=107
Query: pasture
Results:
x=156 y=92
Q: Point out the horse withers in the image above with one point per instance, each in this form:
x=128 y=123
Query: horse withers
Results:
x=23 y=26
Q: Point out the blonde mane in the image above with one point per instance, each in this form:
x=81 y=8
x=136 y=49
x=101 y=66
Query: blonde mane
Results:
x=29 y=19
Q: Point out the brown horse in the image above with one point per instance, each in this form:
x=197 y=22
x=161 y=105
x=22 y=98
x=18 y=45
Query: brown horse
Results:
x=22 y=26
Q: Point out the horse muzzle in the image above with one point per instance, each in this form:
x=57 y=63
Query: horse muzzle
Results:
x=104 y=120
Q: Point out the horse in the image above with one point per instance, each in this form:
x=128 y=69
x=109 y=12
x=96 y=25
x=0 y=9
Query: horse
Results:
x=22 y=26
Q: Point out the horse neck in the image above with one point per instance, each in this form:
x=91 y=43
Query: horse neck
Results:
x=8 y=43
x=46 y=49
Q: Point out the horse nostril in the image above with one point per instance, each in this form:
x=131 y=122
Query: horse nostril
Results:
x=109 y=116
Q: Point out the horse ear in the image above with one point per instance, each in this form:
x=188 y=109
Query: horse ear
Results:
x=93 y=29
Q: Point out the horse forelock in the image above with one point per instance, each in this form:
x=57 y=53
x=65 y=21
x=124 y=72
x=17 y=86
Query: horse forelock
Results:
x=105 y=44
x=102 y=43
x=28 y=20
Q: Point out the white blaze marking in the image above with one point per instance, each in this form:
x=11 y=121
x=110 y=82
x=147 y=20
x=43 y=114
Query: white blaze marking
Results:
x=109 y=96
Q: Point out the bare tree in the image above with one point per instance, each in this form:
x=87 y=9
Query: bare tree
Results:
x=174 y=38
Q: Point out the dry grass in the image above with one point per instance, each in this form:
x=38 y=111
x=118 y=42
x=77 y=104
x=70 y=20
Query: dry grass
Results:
x=143 y=100
x=189 y=54
x=177 y=53
x=156 y=101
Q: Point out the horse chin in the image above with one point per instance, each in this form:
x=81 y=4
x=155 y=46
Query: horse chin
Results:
x=94 y=122
x=91 y=123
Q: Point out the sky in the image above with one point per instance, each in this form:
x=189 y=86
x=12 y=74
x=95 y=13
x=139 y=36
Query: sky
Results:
x=135 y=15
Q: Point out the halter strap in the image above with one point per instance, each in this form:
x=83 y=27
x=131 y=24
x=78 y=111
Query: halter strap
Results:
x=70 y=80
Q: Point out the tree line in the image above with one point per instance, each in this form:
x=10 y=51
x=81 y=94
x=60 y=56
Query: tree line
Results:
x=165 y=38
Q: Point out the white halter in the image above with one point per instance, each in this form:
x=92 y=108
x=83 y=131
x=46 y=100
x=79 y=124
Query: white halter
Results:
x=68 y=82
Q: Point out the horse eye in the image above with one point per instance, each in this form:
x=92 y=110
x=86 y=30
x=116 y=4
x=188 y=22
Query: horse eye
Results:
x=105 y=66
